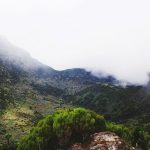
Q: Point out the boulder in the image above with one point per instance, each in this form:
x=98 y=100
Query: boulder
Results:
x=103 y=141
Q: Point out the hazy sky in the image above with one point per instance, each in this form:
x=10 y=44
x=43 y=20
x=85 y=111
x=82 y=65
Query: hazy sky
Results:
x=104 y=35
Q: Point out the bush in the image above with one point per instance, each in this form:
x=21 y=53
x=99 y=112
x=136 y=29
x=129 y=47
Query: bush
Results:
x=140 y=138
x=136 y=136
x=62 y=128
x=120 y=130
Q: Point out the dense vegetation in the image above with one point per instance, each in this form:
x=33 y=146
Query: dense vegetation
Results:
x=115 y=102
x=136 y=136
x=46 y=89
x=62 y=128
x=127 y=105
x=68 y=126
x=28 y=92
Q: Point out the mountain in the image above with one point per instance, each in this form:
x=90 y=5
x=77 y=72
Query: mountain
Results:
x=24 y=79
x=18 y=62
x=30 y=90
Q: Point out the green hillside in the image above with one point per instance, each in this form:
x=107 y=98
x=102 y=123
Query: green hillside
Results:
x=129 y=105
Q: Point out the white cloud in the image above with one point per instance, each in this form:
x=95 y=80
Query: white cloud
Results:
x=113 y=36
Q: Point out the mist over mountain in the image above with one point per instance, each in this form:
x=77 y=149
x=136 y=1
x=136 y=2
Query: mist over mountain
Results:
x=15 y=57
x=100 y=68
x=10 y=53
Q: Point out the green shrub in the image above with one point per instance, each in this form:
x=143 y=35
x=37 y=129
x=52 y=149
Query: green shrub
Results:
x=62 y=128
x=140 y=138
x=136 y=136
x=120 y=130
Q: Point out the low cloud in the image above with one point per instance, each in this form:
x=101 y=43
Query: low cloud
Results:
x=103 y=36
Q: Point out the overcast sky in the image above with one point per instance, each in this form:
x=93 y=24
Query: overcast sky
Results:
x=104 y=35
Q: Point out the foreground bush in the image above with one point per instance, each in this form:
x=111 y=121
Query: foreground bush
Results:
x=136 y=136
x=140 y=138
x=62 y=128
x=120 y=130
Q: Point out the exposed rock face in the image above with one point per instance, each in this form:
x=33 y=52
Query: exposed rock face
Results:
x=107 y=141
x=104 y=141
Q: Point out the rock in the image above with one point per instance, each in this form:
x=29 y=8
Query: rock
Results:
x=103 y=141
x=108 y=141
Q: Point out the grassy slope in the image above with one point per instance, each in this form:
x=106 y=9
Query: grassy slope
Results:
x=25 y=106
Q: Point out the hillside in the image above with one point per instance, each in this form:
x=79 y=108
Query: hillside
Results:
x=17 y=63
x=130 y=105
x=24 y=79
x=29 y=89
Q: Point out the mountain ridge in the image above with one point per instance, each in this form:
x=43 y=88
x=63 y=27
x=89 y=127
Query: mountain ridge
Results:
x=15 y=59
